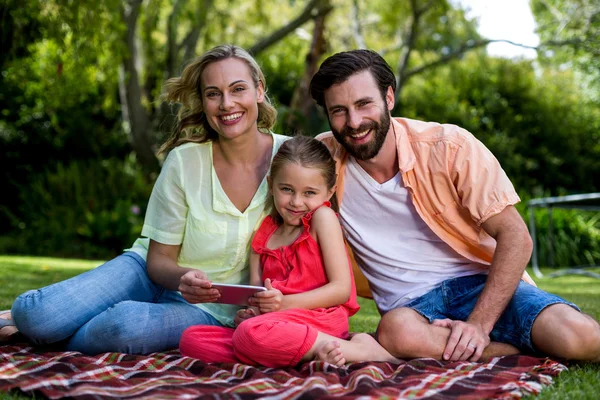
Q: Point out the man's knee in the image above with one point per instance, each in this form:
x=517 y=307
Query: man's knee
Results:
x=400 y=332
x=562 y=331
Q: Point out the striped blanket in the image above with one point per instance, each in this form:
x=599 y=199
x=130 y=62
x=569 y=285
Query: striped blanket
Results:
x=56 y=375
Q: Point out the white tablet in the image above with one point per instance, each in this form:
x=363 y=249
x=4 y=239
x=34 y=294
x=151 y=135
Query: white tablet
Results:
x=236 y=294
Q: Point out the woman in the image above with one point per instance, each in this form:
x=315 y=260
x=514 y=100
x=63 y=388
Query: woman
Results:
x=204 y=208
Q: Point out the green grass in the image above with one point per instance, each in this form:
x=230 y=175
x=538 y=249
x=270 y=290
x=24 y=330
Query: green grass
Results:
x=581 y=381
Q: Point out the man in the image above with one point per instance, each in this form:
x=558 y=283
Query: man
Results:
x=429 y=214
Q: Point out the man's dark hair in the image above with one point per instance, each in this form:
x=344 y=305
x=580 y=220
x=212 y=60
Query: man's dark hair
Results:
x=339 y=67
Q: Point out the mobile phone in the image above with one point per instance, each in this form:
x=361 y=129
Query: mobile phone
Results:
x=236 y=294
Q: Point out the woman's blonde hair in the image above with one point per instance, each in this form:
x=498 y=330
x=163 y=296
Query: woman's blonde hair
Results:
x=192 y=124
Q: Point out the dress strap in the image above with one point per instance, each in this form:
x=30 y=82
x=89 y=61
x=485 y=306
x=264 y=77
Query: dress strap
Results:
x=306 y=219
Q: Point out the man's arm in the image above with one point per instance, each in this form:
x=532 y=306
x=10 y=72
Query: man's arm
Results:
x=513 y=250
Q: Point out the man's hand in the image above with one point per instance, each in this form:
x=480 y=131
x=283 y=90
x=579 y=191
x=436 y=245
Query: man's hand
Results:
x=196 y=288
x=243 y=314
x=269 y=300
x=466 y=342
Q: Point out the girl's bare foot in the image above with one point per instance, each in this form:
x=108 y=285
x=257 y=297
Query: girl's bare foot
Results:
x=331 y=353
x=362 y=347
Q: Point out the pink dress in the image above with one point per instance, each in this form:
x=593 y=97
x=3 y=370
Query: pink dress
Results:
x=276 y=339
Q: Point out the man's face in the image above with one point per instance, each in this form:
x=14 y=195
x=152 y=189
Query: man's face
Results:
x=358 y=115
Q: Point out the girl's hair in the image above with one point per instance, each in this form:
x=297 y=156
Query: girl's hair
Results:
x=192 y=124
x=307 y=152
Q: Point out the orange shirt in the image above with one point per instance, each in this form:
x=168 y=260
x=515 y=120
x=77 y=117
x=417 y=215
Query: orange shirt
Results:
x=455 y=182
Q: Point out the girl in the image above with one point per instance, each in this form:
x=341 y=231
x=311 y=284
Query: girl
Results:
x=211 y=194
x=300 y=254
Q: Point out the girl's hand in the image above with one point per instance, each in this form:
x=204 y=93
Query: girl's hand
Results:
x=244 y=314
x=196 y=288
x=268 y=301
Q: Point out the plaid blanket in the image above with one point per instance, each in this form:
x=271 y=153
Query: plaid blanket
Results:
x=169 y=375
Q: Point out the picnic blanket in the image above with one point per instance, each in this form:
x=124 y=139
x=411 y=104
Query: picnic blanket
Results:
x=55 y=374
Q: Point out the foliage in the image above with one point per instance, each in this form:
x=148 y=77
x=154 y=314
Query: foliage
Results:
x=72 y=210
x=580 y=381
x=63 y=78
x=572 y=30
x=573 y=241
x=544 y=132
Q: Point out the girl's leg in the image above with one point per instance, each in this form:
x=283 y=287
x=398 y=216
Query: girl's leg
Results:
x=56 y=312
x=208 y=344
x=136 y=327
x=362 y=347
x=283 y=339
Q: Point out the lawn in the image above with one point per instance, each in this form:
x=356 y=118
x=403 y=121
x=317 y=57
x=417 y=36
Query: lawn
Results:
x=582 y=381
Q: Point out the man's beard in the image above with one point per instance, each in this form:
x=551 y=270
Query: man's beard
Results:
x=368 y=150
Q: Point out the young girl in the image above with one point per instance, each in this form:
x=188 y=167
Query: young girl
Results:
x=299 y=253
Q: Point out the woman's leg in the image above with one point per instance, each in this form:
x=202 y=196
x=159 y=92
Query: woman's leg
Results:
x=136 y=327
x=56 y=312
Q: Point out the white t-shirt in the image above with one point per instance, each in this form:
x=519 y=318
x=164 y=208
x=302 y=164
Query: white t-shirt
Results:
x=188 y=206
x=398 y=253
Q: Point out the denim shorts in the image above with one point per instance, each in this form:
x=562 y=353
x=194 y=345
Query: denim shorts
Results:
x=456 y=298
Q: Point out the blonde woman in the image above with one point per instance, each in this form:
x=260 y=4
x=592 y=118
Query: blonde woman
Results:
x=204 y=208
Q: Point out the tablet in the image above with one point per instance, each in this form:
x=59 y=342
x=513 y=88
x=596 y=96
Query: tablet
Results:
x=236 y=294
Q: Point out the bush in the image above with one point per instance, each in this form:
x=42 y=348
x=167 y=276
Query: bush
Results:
x=89 y=210
x=575 y=239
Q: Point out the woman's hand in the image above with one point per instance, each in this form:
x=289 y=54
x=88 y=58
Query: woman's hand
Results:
x=244 y=314
x=269 y=300
x=196 y=288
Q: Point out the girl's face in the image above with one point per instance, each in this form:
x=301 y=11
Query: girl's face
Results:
x=230 y=98
x=297 y=190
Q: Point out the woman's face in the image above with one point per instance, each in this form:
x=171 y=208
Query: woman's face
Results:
x=230 y=98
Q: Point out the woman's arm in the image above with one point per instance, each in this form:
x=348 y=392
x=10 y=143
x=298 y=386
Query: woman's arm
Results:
x=163 y=269
x=255 y=269
x=326 y=229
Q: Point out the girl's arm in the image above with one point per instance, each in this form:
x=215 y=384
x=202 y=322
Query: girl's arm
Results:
x=163 y=269
x=327 y=232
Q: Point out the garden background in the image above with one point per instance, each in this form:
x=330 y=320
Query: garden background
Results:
x=81 y=115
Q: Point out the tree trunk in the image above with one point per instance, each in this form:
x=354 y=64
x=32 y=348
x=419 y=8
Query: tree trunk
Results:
x=313 y=10
x=135 y=117
x=302 y=108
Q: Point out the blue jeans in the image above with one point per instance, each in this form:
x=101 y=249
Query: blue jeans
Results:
x=456 y=298
x=112 y=308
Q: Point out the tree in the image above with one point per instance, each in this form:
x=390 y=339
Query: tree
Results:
x=572 y=28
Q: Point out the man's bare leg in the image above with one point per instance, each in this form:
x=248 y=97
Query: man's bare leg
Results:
x=561 y=331
x=407 y=334
x=362 y=347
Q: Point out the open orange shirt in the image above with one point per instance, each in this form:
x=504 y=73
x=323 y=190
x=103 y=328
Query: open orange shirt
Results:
x=455 y=182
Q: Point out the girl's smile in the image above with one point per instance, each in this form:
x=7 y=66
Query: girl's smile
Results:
x=297 y=190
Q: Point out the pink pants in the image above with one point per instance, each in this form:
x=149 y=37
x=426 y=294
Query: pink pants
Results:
x=277 y=339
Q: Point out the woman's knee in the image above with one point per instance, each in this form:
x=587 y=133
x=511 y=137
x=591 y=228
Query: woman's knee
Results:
x=127 y=328
x=31 y=316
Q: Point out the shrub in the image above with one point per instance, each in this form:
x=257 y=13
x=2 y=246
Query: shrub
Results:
x=89 y=210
